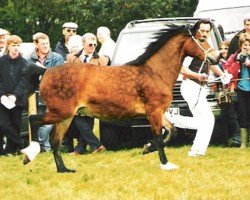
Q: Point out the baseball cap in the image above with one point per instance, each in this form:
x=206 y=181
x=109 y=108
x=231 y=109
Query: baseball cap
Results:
x=70 y=25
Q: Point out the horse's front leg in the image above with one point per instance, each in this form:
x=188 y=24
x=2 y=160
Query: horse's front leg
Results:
x=155 y=119
x=57 y=135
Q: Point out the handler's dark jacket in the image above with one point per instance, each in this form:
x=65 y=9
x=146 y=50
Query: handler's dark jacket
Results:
x=12 y=80
x=234 y=44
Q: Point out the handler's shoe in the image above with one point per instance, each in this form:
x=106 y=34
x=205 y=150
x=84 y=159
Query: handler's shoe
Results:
x=169 y=166
x=195 y=154
x=100 y=149
x=31 y=152
x=74 y=153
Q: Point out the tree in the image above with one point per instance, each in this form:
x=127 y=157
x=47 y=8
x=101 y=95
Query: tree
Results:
x=26 y=17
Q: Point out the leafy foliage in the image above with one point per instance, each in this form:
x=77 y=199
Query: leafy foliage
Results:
x=27 y=17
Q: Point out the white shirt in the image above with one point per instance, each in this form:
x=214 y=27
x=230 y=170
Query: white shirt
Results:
x=187 y=61
x=107 y=48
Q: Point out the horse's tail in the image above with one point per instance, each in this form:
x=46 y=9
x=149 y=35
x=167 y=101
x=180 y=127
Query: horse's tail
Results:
x=32 y=74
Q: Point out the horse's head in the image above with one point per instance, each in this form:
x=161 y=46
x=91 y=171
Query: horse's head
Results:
x=199 y=48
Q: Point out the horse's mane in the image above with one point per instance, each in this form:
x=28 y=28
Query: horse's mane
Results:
x=160 y=39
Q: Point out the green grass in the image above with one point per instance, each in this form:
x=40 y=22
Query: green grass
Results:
x=223 y=174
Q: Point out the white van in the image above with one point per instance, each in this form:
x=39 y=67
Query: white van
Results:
x=228 y=13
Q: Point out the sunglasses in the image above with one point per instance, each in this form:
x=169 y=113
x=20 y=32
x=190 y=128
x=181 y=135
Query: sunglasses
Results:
x=92 y=45
x=223 y=48
x=71 y=30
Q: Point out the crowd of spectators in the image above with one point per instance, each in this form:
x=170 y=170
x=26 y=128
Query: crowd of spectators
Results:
x=70 y=48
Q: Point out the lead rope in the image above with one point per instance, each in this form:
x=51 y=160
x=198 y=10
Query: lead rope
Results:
x=217 y=80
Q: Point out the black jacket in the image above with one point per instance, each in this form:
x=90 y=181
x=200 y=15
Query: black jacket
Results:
x=12 y=80
x=62 y=49
x=234 y=44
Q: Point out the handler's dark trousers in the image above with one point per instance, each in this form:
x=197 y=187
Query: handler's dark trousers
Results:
x=10 y=122
x=82 y=128
x=229 y=115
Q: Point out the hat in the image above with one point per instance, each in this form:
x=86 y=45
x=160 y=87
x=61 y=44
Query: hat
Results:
x=70 y=25
x=3 y=32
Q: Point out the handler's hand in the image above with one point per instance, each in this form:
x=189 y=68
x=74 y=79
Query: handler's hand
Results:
x=202 y=77
x=8 y=103
x=12 y=98
x=225 y=78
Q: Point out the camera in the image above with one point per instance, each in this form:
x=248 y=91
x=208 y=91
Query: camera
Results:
x=242 y=58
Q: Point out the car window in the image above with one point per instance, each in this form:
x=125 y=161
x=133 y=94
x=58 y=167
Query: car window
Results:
x=131 y=45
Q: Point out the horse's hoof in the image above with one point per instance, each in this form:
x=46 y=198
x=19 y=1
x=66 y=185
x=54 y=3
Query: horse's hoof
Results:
x=169 y=166
x=66 y=171
x=26 y=160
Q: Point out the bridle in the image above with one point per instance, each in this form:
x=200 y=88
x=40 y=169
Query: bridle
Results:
x=196 y=41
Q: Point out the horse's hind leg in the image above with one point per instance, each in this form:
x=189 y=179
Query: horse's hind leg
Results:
x=168 y=134
x=155 y=120
x=56 y=137
x=168 y=127
x=151 y=146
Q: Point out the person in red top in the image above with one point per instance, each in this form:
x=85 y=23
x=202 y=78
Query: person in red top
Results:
x=228 y=113
x=238 y=64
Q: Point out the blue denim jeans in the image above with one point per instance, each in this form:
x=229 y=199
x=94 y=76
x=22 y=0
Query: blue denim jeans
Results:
x=44 y=135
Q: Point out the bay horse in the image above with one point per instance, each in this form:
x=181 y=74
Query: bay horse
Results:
x=142 y=87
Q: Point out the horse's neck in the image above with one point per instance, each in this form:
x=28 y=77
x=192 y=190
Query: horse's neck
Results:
x=168 y=60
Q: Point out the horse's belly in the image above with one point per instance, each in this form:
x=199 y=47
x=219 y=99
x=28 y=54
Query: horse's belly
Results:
x=113 y=110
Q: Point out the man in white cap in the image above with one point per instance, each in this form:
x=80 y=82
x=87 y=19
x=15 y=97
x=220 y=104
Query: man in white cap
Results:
x=3 y=41
x=68 y=29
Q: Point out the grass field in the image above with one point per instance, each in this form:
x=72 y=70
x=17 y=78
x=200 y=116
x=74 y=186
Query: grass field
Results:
x=224 y=173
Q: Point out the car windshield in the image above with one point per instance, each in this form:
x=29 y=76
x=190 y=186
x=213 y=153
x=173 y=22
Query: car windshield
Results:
x=232 y=22
x=133 y=44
